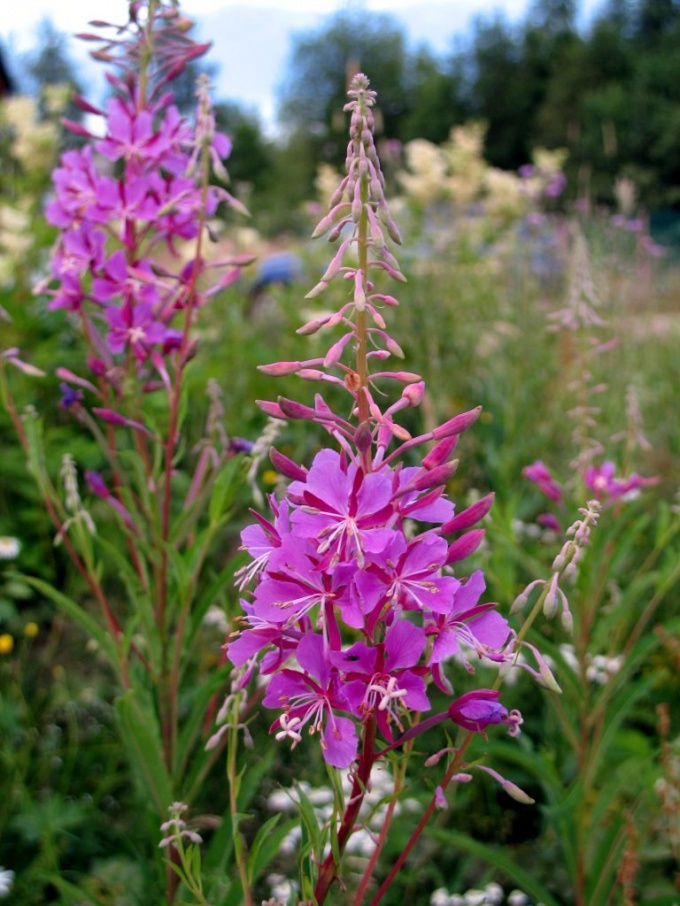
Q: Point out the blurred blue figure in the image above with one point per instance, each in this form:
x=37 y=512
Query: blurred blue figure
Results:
x=277 y=269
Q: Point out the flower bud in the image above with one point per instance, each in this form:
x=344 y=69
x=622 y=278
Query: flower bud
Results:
x=472 y=514
x=464 y=546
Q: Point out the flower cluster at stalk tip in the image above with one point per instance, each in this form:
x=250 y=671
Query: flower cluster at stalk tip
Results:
x=119 y=233
x=354 y=605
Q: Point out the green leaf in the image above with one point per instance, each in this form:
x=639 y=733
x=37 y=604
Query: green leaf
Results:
x=78 y=613
x=224 y=489
x=224 y=579
x=72 y=894
x=309 y=820
x=265 y=846
x=142 y=739
x=139 y=599
x=200 y=698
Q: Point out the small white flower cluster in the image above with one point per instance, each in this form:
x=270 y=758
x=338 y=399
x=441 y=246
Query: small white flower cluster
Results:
x=6 y=881
x=259 y=452
x=9 y=547
x=600 y=668
x=177 y=828
x=491 y=895
x=282 y=890
x=534 y=531
x=72 y=501
x=362 y=841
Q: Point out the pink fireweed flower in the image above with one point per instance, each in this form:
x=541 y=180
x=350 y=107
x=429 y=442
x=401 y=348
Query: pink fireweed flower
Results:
x=541 y=476
x=467 y=624
x=119 y=232
x=135 y=327
x=386 y=680
x=601 y=481
x=353 y=604
x=343 y=507
x=311 y=697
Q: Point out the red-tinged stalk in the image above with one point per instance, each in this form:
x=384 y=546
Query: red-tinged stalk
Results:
x=329 y=867
x=453 y=769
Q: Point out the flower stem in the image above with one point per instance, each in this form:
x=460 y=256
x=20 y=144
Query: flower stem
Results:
x=329 y=868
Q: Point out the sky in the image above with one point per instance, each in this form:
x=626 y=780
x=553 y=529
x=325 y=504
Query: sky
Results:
x=251 y=37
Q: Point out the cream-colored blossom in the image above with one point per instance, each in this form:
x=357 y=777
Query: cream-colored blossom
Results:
x=463 y=153
x=504 y=197
x=326 y=182
x=425 y=178
x=625 y=194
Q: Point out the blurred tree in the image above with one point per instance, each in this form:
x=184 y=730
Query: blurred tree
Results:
x=321 y=65
x=435 y=98
x=50 y=64
x=656 y=18
x=498 y=93
x=251 y=156
x=552 y=16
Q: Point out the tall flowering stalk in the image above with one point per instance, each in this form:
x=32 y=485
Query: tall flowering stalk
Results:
x=130 y=266
x=354 y=606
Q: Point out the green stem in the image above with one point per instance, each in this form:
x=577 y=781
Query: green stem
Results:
x=234 y=783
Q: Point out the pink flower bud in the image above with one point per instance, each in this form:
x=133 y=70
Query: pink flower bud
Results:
x=363 y=437
x=293 y=409
x=394 y=347
x=359 y=294
x=278 y=369
x=464 y=546
x=431 y=479
x=388 y=300
x=457 y=424
x=335 y=352
x=271 y=409
x=286 y=466
x=440 y=453
x=414 y=393
x=470 y=516
x=311 y=327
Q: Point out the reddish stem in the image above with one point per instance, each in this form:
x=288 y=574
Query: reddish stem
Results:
x=329 y=868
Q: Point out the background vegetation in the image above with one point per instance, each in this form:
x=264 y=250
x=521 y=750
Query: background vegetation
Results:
x=602 y=761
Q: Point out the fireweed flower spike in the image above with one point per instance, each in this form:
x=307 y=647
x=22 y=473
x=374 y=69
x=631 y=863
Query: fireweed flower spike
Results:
x=349 y=616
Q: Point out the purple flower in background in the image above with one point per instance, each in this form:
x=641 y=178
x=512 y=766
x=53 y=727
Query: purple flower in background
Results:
x=135 y=327
x=69 y=396
x=541 y=476
x=601 y=481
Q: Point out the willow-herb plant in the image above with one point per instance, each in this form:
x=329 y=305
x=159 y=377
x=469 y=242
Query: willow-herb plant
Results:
x=601 y=786
x=130 y=267
x=355 y=608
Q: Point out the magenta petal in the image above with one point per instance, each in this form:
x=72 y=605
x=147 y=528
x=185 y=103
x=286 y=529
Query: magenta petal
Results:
x=469 y=593
x=328 y=482
x=416 y=697
x=491 y=629
x=404 y=643
x=313 y=658
x=445 y=645
x=339 y=742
